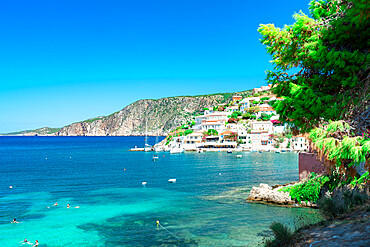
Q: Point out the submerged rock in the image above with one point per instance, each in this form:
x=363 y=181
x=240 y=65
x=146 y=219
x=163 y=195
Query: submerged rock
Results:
x=266 y=193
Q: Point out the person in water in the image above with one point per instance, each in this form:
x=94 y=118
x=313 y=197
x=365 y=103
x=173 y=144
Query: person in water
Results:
x=36 y=243
x=55 y=204
x=68 y=206
x=15 y=221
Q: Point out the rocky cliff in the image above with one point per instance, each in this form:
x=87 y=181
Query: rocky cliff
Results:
x=162 y=116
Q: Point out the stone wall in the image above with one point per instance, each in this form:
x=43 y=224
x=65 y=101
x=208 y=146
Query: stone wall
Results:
x=308 y=163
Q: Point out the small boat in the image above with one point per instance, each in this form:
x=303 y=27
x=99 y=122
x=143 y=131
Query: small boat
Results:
x=172 y=180
x=239 y=156
x=229 y=151
x=155 y=157
x=158 y=149
x=277 y=151
x=143 y=183
x=177 y=150
x=200 y=150
x=260 y=151
x=253 y=151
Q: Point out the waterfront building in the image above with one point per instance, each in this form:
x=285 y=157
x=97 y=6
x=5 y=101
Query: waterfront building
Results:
x=299 y=143
x=260 y=140
x=263 y=125
x=192 y=141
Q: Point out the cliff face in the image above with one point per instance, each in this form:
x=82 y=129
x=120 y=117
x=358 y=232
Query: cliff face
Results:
x=162 y=116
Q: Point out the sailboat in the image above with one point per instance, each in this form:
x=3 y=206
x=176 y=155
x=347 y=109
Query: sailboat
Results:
x=147 y=147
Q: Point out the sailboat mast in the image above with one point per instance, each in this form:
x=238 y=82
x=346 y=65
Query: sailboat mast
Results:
x=146 y=133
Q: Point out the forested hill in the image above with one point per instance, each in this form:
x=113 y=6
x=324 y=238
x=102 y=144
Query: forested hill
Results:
x=162 y=116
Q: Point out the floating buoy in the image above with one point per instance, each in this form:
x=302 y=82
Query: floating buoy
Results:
x=46 y=158
x=219 y=174
x=70 y=157
x=172 y=180
x=124 y=169
x=143 y=183
x=10 y=187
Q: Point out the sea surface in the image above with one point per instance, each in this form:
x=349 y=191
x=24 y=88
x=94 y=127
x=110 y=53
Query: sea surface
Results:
x=205 y=207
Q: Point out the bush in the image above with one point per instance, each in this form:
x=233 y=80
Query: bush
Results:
x=212 y=132
x=205 y=109
x=247 y=116
x=265 y=98
x=307 y=191
x=187 y=132
x=341 y=201
x=283 y=236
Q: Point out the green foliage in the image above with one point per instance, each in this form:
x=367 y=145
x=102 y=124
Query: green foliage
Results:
x=283 y=236
x=266 y=117
x=184 y=126
x=336 y=144
x=255 y=102
x=247 y=116
x=259 y=119
x=341 y=202
x=320 y=63
x=264 y=98
x=205 y=109
x=289 y=136
x=253 y=109
x=363 y=179
x=307 y=191
x=212 y=132
x=187 y=132
x=215 y=108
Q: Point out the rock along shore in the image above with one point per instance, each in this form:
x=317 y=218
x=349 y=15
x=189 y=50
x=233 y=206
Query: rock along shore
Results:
x=267 y=194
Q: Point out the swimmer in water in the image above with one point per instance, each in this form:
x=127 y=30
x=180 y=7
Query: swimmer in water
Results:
x=68 y=206
x=25 y=241
x=15 y=221
x=36 y=243
x=55 y=204
x=77 y=207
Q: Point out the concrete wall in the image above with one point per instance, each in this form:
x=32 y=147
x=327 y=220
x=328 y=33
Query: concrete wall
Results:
x=308 y=163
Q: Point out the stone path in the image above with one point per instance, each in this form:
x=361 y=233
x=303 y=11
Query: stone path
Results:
x=351 y=230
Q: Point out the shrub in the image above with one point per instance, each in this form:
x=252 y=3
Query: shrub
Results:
x=187 y=132
x=283 y=236
x=307 y=191
x=265 y=98
x=212 y=132
x=205 y=109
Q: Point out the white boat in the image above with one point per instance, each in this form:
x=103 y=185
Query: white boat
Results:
x=172 y=180
x=158 y=149
x=155 y=157
x=200 y=150
x=239 y=156
x=229 y=151
x=177 y=150
x=143 y=183
x=147 y=148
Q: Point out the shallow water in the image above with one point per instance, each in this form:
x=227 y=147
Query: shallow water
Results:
x=205 y=207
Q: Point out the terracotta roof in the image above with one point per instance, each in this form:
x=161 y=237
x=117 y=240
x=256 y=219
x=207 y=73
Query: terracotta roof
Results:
x=226 y=133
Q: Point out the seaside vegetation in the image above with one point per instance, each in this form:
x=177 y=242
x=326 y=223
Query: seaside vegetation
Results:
x=321 y=70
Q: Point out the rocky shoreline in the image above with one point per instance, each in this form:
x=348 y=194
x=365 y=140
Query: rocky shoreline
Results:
x=271 y=194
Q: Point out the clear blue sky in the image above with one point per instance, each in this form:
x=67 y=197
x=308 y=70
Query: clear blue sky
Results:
x=66 y=61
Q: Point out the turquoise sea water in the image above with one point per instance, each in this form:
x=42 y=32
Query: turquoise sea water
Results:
x=205 y=207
